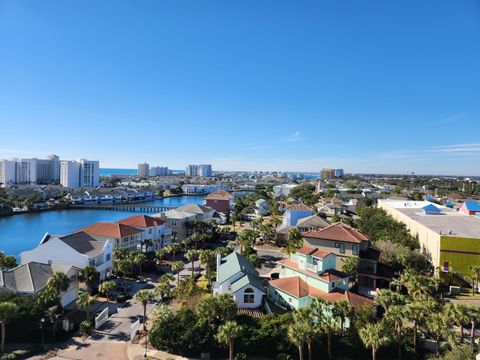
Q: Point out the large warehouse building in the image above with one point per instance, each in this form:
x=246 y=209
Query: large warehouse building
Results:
x=449 y=237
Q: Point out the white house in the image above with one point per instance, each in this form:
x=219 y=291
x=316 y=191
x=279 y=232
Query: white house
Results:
x=283 y=190
x=261 y=207
x=153 y=229
x=237 y=276
x=31 y=278
x=77 y=249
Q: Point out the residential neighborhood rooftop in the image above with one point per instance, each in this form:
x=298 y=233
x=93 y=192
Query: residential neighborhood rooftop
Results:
x=141 y=221
x=107 y=229
x=338 y=232
x=219 y=195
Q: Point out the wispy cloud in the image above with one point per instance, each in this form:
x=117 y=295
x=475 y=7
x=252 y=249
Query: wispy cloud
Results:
x=457 y=149
x=296 y=136
x=451 y=119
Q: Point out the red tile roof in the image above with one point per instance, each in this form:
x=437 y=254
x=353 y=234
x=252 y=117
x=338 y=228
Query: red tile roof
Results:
x=299 y=288
x=219 y=195
x=141 y=221
x=328 y=275
x=110 y=230
x=301 y=207
x=338 y=232
x=313 y=251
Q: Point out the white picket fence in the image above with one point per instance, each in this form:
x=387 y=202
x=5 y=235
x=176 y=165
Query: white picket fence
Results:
x=101 y=318
x=134 y=329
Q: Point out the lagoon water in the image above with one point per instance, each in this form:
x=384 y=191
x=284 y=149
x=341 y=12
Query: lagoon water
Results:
x=23 y=232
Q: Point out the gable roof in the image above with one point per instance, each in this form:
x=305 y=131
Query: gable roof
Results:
x=299 y=288
x=141 y=221
x=195 y=209
x=110 y=230
x=219 y=195
x=84 y=244
x=298 y=207
x=472 y=205
x=233 y=264
x=312 y=221
x=338 y=232
x=245 y=280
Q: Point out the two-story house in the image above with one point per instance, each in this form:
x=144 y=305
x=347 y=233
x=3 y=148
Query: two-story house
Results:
x=31 y=278
x=345 y=241
x=220 y=201
x=310 y=274
x=178 y=219
x=238 y=277
x=120 y=235
x=154 y=229
x=77 y=249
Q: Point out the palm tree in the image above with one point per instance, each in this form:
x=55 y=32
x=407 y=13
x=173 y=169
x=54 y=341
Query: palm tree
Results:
x=415 y=312
x=475 y=277
x=439 y=327
x=53 y=314
x=373 y=336
x=275 y=221
x=160 y=255
x=144 y=297
x=387 y=298
x=294 y=241
x=162 y=289
x=84 y=301
x=177 y=267
x=474 y=314
x=89 y=275
x=8 y=311
x=191 y=256
x=173 y=248
x=341 y=310
x=227 y=333
x=396 y=314
x=329 y=326
x=207 y=257
x=306 y=315
x=139 y=259
x=59 y=282
x=298 y=333
x=106 y=288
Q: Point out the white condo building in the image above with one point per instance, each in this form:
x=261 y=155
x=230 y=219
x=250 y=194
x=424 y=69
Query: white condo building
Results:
x=29 y=171
x=81 y=173
x=204 y=170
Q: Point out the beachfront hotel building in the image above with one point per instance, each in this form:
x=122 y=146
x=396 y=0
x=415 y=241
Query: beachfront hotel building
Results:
x=203 y=170
x=81 y=173
x=450 y=238
x=15 y=172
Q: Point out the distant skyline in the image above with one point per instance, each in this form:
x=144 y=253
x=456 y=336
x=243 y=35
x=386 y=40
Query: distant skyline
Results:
x=370 y=86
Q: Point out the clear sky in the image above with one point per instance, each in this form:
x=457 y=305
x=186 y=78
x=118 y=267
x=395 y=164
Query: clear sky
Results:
x=369 y=86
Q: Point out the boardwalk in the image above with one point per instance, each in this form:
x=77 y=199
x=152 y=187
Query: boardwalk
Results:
x=126 y=207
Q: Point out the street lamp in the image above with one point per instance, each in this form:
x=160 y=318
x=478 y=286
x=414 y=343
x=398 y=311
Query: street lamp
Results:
x=42 y=326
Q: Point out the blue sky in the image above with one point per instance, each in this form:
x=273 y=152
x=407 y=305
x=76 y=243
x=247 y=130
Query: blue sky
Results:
x=369 y=86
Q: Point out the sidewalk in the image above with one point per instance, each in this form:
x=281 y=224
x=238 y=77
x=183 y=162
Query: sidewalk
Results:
x=137 y=351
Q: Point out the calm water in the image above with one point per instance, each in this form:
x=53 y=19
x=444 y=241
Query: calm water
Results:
x=23 y=232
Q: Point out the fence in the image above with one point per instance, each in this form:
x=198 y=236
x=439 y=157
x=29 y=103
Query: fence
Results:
x=134 y=329
x=101 y=318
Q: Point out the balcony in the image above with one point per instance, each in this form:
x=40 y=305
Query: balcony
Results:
x=311 y=267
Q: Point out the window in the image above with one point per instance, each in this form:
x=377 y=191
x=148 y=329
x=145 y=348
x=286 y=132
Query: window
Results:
x=249 y=296
x=150 y=230
x=342 y=248
x=174 y=222
x=333 y=284
x=91 y=262
x=107 y=258
x=337 y=244
x=355 y=249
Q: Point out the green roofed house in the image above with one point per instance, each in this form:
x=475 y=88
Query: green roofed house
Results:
x=237 y=276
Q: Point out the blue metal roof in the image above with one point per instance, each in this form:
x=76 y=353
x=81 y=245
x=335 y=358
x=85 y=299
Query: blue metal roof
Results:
x=431 y=209
x=472 y=205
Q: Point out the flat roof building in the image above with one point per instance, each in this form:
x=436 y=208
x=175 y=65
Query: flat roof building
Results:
x=449 y=238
